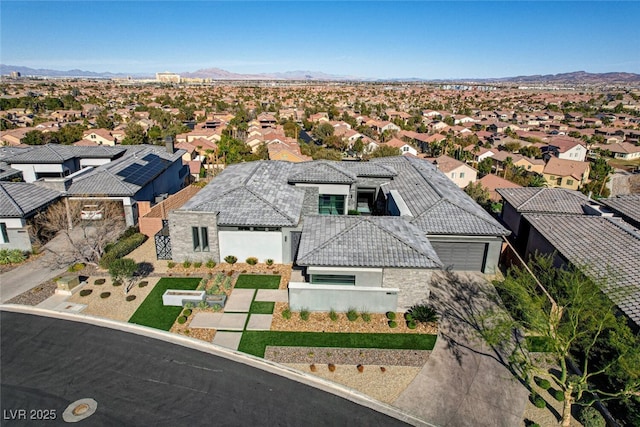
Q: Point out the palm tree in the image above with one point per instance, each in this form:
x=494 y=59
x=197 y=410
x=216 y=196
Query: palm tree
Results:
x=506 y=165
x=537 y=180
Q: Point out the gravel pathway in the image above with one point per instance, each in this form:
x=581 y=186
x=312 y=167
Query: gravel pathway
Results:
x=347 y=356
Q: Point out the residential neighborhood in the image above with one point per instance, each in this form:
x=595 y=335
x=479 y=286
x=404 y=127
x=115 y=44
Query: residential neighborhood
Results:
x=362 y=210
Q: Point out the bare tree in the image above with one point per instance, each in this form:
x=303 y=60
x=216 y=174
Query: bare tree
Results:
x=85 y=239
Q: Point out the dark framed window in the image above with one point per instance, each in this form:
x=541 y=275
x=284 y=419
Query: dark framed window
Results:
x=200 y=239
x=5 y=234
x=204 y=237
x=195 y=236
x=331 y=204
x=333 y=279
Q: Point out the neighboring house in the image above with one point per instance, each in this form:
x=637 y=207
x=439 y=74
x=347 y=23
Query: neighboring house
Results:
x=265 y=209
x=287 y=152
x=627 y=207
x=493 y=182
x=625 y=150
x=402 y=146
x=100 y=137
x=566 y=173
x=567 y=149
x=459 y=172
x=19 y=202
x=529 y=164
x=479 y=153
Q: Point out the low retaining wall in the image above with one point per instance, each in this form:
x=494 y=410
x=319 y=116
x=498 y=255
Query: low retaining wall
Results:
x=176 y=297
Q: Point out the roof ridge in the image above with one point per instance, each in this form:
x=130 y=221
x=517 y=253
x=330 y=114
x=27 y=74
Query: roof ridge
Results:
x=400 y=240
x=540 y=190
x=12 y=200
x=326 y=242
x=259 y=196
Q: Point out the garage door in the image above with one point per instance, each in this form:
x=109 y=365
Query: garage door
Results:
x=462 y=256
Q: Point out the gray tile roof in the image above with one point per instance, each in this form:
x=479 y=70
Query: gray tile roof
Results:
x=354 y=241
x=549 y=200
x=322 y=172
x=608 y=249
x=369 y=169
x=54 y=153
x=21 y=199
x=436 y=203
x=628 y=205
x=7 y=172
x=126 y=175
x=254 y=193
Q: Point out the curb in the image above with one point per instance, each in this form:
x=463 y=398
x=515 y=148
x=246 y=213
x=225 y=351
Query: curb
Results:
x=236 y=356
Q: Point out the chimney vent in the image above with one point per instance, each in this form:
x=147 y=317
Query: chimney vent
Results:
x=168 y=143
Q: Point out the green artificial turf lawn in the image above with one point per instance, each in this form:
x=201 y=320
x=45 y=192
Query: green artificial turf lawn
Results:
x=152 y=313
x=257 y=281
x=262 y=307
x=255 y=342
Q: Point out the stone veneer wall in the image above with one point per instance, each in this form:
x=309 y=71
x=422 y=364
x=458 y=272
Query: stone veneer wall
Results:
x=414 y=285
x=180 y=223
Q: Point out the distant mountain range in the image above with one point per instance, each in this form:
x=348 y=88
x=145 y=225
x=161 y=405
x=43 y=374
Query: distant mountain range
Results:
x=577 y=77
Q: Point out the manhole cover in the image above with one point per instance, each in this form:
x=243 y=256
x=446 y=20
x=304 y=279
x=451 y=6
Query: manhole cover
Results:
x=79 y=410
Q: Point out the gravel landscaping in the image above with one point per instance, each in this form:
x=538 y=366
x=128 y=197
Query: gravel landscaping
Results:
x=347 y=356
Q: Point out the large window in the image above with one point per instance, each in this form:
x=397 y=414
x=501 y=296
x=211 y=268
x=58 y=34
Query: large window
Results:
x=331 y=204
x=3 y=233
x=333 y=279
x=200 y=239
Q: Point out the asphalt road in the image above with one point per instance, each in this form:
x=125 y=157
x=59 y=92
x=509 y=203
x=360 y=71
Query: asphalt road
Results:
x=138 y=381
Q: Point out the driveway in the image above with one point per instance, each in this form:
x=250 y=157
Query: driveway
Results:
x=464 y=382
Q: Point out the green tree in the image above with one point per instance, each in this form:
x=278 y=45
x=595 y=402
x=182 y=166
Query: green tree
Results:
x=477 y=192
x=385 y=151
x=291 y=129
x=599 y=174
x=537 y=180
x=103 y=120
x=358 y=146
x=449 y=120
x=122 y=270
x=485 y=165
x=33 y=137
x=578 y=326
x=531 y=151
x=323 y=131
x=231 y=150
x=134 y=134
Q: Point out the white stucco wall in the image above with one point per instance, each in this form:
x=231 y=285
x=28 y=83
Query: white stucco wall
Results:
x=244 y=244
x=340 y=298
x=93 y=162
x=328 y=188
x=29 y=170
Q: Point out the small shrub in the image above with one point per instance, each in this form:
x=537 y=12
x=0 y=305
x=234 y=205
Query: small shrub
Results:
x=203 y=304
x=411 y=324
x=558 y=395
x=217 y=307
x=210 y=263
x=76 y=267
x=312 y=368
x=304 y=314
x=393 y=324
x=130 y=298
x=537 y=400
x=99 y=282
x=105 y=295
x=189 y=305
x=187 y=312
x=383 y=369
x=269 y=262
x=171 y=264
x=423 y=313
x=391 y=315
x=590 y=417
x=286 y=314
x=408 y=317
x=182 y=320
x=11 y=256
x=197 y=264
x=331 y=367
x=230 y=273
x=117 y=283
x=542 y=383
x=333 y=315
x=365 y=316
x=85 y=292
x=230 y=259
x=143 y=284
x=252 y=260
x=352 y=315
x=186 y=264
x=360 y=368
x=123 y=247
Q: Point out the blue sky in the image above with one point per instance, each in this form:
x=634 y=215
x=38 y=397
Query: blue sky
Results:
x=388 y=39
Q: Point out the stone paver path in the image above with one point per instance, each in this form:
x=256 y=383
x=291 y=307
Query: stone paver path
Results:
x=206 y=320
x=240 y=300
x=229 y=340
x=259 y=322
x=272 y=295
x=232 y=321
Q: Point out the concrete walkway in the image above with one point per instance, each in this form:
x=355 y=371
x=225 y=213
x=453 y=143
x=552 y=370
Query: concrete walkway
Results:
x=464 y=382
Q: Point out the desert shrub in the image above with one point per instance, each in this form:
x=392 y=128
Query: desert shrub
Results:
x=423 y=313
x=171 y=264
x=230 y=259
x=312 y=368
x=105 y=295
x=203 y=304
x=366 y=316
x=76 y=267
x=393 y=324
x=143 y=284
x=304 y=314
x=333 y=315
x=542 y=383
x=130 y=231
x=537 y=400
x=187 y=312
x=99 y=282
x=269 y=262
x=11 y=256
x=558 y=395
x=391 y=315
x=210 y=263
x=590 y=417
x=186 y=264
x=116 y=283
x=352 y=314
x=286 y=314
x=130 y=297
x=121 y=248
x=197 y=264
x=408 y=317
x=85 y=292
x=189 y=305
x=331 y=367
x=411 y=324
x=252 y=260
x=182 y=320
x=383 y=369
x=360 y=368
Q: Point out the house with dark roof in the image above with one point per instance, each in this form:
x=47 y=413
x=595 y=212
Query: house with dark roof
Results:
x=19 y=202
x=412 y=219
x=626 y=206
